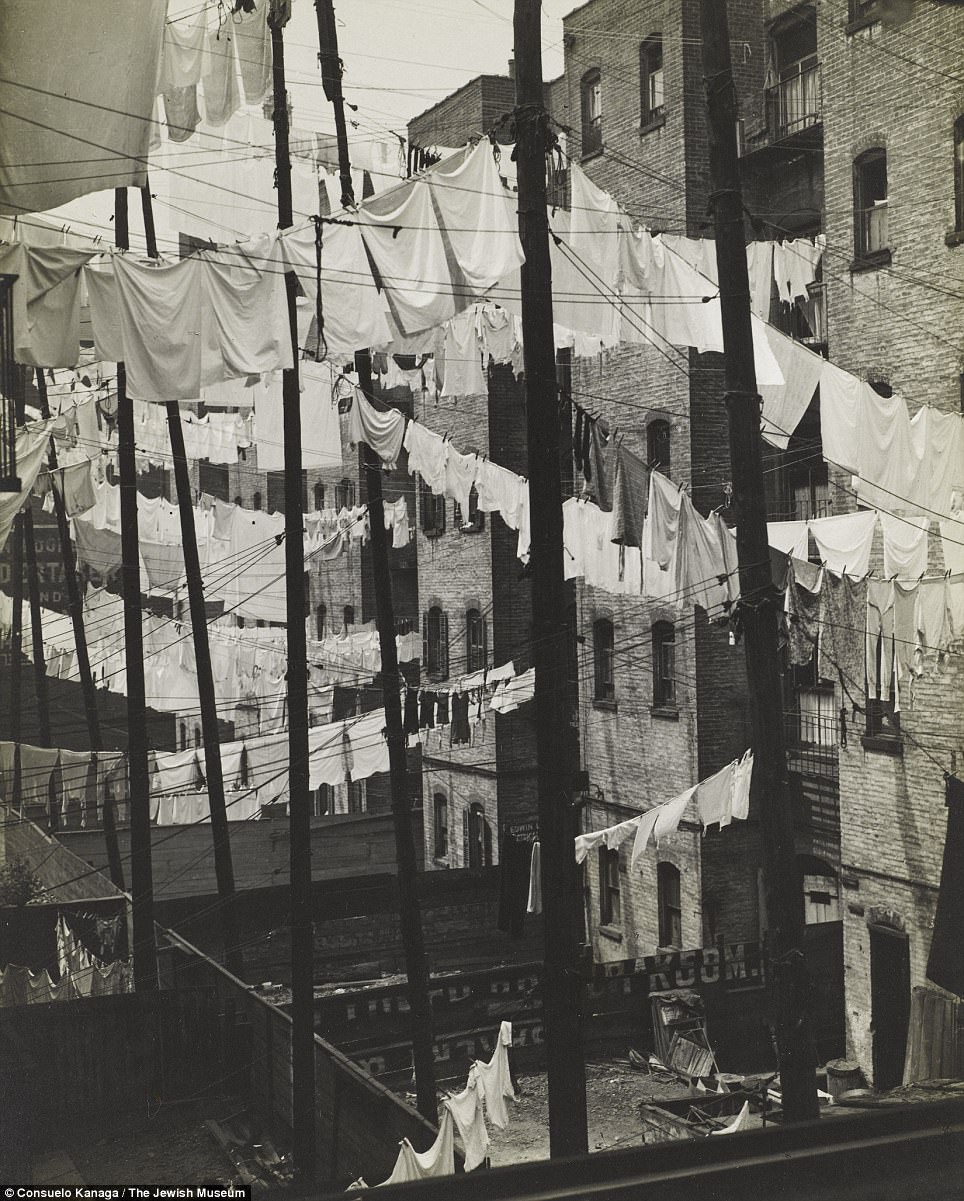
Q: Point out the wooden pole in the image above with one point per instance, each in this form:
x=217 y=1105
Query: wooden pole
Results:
x=36 y=628
x=562 y=991
x=331 y=71
x=75 y=607
x=16 y=659
x=142 y=884
x=299 y=808
x=416 y=963
x=759 y=604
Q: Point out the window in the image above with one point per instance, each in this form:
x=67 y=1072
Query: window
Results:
x=603 y=655
x=591 y=113
x=344 y=495
x=321 y=622
x=475 y=641
x=238 y=501
x=276 y=491
x=959 y=175
x=610 y=905
x=477 y=837
x=651 y=79
x=664 y=663
x=440 y=812
x=319 y=496
x=870 y=206
x=670 y=909
x=435 y=643
x=323 y=801
x=657 y=446
x=475 y=520
x=862 y=12
x=432 y=512
x=793 y=102
x=212 y=478
x=817 y=718
x=348 y=614
x=256 y=500
x=357 y=801
x=197 y=737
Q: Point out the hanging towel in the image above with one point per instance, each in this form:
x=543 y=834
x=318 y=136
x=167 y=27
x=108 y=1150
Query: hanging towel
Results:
x=740 y=1122
x=840 y=396
x=534 y=904
x=46 y=300
x=495 y=1078
x=630 y=497
x=905 y=545
x=466 y=1108
x=479 y=217
x=785 y=404
x=844 y=542
x=790 y=537
x=438 y=1160
x=382 y=430
x=714 y=797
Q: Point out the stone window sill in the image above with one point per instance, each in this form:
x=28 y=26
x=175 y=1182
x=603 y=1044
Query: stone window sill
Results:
x=651 y=123
x=590 y=155
x=884 y=744
x=604 y=705
x=872 y=261
x=613 y=933
x=862 y=23
x=665 y=712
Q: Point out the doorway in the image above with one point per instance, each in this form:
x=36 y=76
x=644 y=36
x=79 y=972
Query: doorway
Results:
x=889 y=1003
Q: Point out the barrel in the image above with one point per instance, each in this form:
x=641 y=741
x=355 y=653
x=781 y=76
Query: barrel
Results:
x=842 y=1075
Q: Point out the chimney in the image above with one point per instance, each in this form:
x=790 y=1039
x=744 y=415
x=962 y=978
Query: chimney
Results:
x=512 y=68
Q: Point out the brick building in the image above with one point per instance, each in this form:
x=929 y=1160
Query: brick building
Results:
x=831 y=145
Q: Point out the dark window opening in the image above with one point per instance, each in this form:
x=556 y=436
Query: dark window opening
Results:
x=604 y=661
x=344 y=495
x=670 y=907
x=610 y=901
x=475 y=520
x=658 y=445
x=212 y=478
x=475 y=641
x=440 y=807
x=348 y=614
x=435 y=643
x=432 y=513
x=591 y=113
x=477 y=834
x=871 y=238
x=651 y=79
x=664 y=663
x=318 y=494
x=321 y=621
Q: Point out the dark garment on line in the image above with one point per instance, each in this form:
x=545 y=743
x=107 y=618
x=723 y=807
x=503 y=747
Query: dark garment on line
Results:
x=577 y=450
x=630 y=497
x=515 y=858
x=600 y=465
x=426 y=710
x=945 y=964
x=460 y=719
x=411 y=711
x=442 y=709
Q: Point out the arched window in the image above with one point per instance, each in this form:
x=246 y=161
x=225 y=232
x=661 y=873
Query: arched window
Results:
x=658 y=446
x=440 y=825
x=591 y=113
x=670 y=907
x=238 y=501
x=603 y=661
x=183 y=735
x=476 y=650
x=319 y=496
x=664 y=663
x=348 y=614
x=321 y=621
x=256 y=500
x=197 y=737
x=435 y=643
x=871 y=239
x=959 y=175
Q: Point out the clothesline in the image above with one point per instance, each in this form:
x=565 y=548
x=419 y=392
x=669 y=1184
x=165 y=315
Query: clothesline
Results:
x=718 y=800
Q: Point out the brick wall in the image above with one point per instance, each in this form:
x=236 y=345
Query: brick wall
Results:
x=473 y=109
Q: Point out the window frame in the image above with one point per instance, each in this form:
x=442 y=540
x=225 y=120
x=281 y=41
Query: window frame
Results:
x=669 y=905
x=431 y=512
x=665 y=695
x=435 y=643
x=865 y=254
x=659 y=430
x=604 y=662
x=440 y=828
x=590 y=93
x=610 y=890
x=476 y=641
x=651 y=115
x=959 y=175
x=345 y=492
x=321 y=621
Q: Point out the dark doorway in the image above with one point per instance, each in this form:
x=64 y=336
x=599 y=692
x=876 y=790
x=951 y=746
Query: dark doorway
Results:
x=889 y=1003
